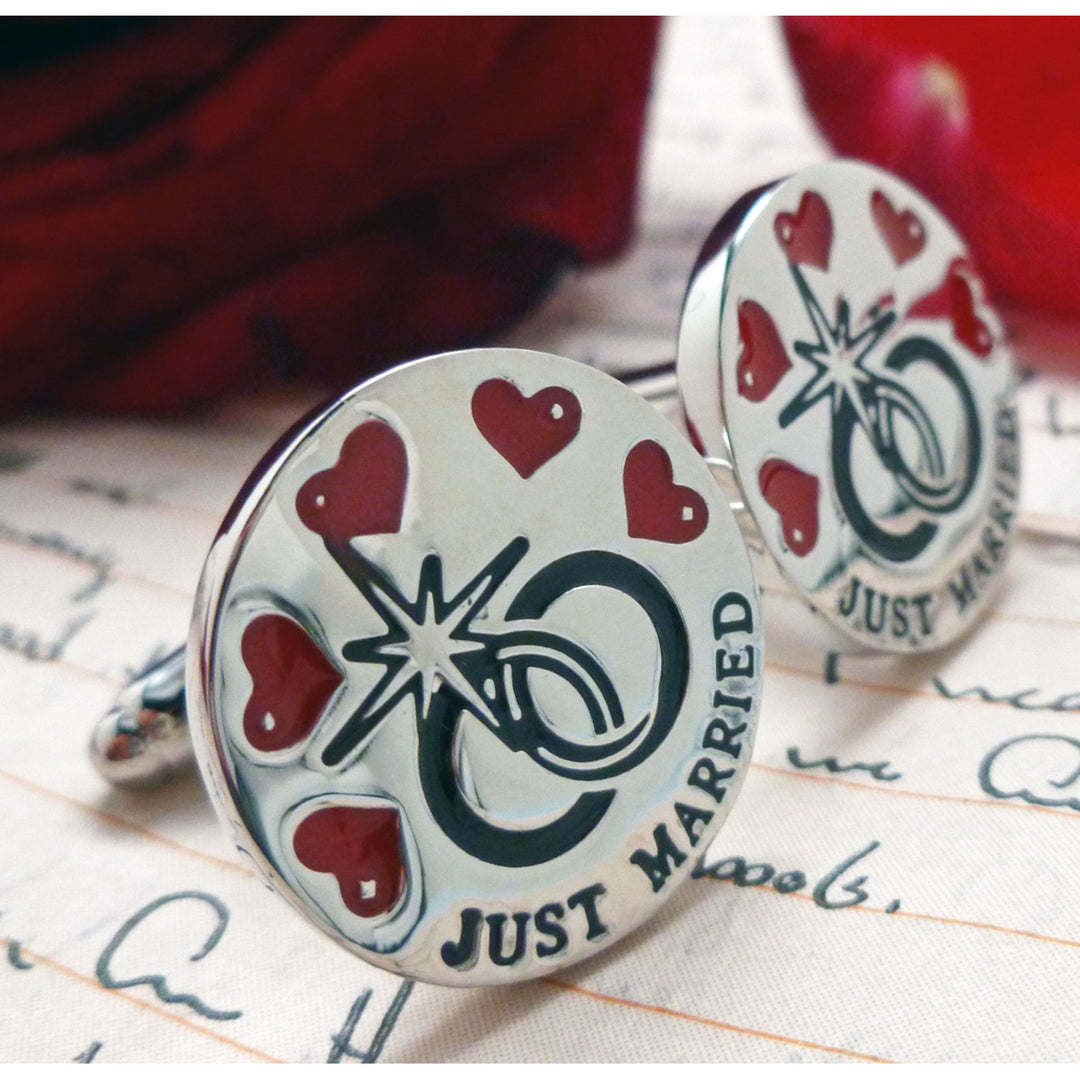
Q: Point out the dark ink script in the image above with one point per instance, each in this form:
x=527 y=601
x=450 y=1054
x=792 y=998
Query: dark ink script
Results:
x=1021 y=699
x=1034 y=768
x=876 y=769
x=100 y=562
x=341 y=1044
x=157 y=982
x=16 y=958
x=739 y=872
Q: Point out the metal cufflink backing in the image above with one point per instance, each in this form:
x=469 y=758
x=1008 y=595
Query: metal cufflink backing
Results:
x=474 y=666
x=839 y=366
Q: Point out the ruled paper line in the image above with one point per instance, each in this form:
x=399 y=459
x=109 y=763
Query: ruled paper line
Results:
x=908 y=793
x=238 y=867
x=131 y=999
x=901 y=913
x=113 y=575
x=675 y=1014
x=121 y=822
x=42 y=477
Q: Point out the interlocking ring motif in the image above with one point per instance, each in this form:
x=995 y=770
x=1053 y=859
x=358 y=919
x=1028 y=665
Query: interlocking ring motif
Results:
x=870 y=402
x=837 y=351
x=474 y=667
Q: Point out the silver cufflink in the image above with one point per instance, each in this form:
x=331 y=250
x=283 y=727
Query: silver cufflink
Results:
x=475 y=662
x=840 y=366
x=475 y=665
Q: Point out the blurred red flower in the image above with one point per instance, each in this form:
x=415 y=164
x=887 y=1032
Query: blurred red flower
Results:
x=981 y=115
x=190 y=205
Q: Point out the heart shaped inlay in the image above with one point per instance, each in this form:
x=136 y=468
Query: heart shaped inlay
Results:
x=526 y=431
x=292 y=681
x=696 y=441
x=902 y=231
x=363 y=493
x=361 y=847
x=656 y=507
x=954 y=299
x=806 y=235
x=793 y=494
x=764 y=360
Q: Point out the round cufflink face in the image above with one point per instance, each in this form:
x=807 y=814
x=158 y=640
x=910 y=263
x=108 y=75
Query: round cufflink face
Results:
x=836 y=348
x=474 y=665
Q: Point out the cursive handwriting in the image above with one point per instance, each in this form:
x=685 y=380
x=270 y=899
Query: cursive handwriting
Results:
x=101 y=562
x=341 y=1045
x=15 y=458
x=15 y=956
x=88 y=1054
x=1053 y=418
x=876 y=769
x=1019 y=700
x=832 y=668
x=29 y=645
x=157 y=982
x=115 y=493
x=739 y=872
x=1013 y=768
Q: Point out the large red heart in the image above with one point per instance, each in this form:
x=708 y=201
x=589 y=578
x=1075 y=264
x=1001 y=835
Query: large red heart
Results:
x=793 y=494
x=806 y=235
x=361 y=847
x=291 y=682
x=954 y=299
x=656 y=507
x=764 y=360
x=363 y=492
x=527 y=431
x=902 y=232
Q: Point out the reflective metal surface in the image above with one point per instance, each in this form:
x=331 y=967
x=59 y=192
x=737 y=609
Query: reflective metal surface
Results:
x=474 y=666
x=143 y=740
x=837 y=354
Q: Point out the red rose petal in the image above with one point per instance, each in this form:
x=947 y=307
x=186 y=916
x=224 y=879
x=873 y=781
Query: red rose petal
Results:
x=979 y=115
x=215 y=204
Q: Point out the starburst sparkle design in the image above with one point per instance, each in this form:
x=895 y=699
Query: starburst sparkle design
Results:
x=837 y=355
x=425 y=642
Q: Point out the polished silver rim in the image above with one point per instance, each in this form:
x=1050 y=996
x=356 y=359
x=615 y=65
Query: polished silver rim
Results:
x=529 y=666
x=837 y=353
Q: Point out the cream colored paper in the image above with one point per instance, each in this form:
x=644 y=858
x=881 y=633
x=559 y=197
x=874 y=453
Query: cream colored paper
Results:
x=897 y=881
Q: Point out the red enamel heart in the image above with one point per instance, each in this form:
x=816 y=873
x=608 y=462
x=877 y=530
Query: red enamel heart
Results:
x=903 y=232
x=527 y=431
x=292 y=681
x=806 y=235
x=695 y=436
x=656 y=507
x=361 y=847
x=364 y=492
x=793 y=494
x=764 y=360
x=954 y=299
